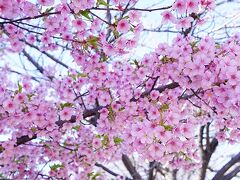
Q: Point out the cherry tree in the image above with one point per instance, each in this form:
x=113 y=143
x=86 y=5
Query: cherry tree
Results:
x=82 y=101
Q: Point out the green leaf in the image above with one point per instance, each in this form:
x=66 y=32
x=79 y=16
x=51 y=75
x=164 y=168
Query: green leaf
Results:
x=19 y=87
x=218 y=46
x=164 y=107
x=67 y=104
x=117 y=140
x=85 y=14
x=48 y=10
x=82 y=75
x=168 y=127
x=136 y=62
x=34 y=129
x=103 y=57
x=76 y=128
x=102 y=2
x=73 y=77
x=30 y=96
x=95 y=176
x=116 y=34
x=111 y=114
x=90 y=174
x=93 y=41
x=193 y=44
x=105 y=140
x=55 y=167
x=2 y=176
x=131 y=29
x=98 y=136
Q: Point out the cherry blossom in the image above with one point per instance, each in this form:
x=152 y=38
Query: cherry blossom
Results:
x=123 y=26
x=104 y=104
x=168 y=17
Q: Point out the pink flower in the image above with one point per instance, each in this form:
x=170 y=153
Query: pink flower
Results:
x=20 y=98
x=180 y=6
x=233 y=76
x=79 y=24
x=184 y=23
x=173 y=145
x=10 y=28
x=66 y=113
x=96 y=143
x=156 y=150
x=9 y=106
x=134 y=16
x=104 y=99
x=192 y=6
x=187 y=131
x=46 y=2
x=17 y=46
x=168 y=17
x=153 y=113
x=30 y=9
x=221 y=136
x=208 y=3
x=31 y=38
x=51 y=23
x=123 y=26
x=154 y=94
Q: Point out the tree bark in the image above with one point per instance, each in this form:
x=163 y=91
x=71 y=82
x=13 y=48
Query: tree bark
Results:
x=131 y=169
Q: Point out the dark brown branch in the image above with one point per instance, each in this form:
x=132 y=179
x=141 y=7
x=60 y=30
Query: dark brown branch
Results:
x=47 y=54
x=226 y=167
x=109 y=19
x=232 y=174
x=201 y=138
x=212 y=108
x=109 y=171
x=151 y=170
x=151 y=10
x=206 y=156
x=206 y=153
x=103 y=20
x=136 y=9
x=24 y=139
x=131 y=169
x=174 y=174
x=39 y=68
x=207 y=134
x=160 y=89
x=27 y=18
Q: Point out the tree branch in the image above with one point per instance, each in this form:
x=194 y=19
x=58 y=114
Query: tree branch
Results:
x=39 y=68
x=131 y=169
x=151 y=170
x=227 y=166
x=47 y=54
x=206 y=153
x=233 y=173
x=110 y=171
x=27 y=18
x=160 y=89
x=136 y=9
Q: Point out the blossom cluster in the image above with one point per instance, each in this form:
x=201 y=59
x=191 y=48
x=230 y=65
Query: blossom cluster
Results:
x=105 y=108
